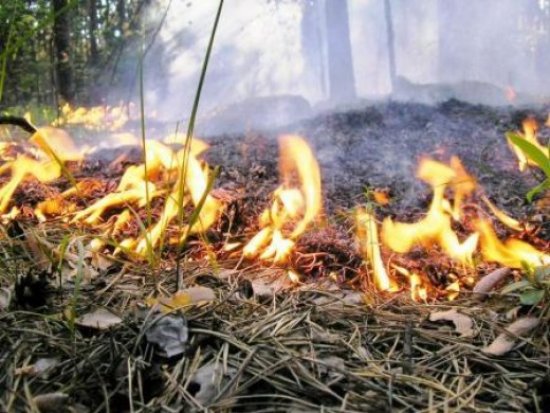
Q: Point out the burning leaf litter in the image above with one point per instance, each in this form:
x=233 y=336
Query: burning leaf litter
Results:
x=355 y=351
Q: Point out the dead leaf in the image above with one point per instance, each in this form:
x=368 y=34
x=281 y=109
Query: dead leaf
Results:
x=486 y=284
x=211 y=379
x=100 y=319
x=39 y=368
x=169 y=333
x=5 y=298
x=341 y=299
x=51 y=402
x=507 y=340
x=463 y=324
x=182 y=299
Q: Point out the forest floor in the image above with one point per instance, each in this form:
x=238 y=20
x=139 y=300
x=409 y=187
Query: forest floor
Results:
x=249 y=340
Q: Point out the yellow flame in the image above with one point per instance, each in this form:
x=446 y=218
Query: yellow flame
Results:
x=530 y=128
x=417 y=287
x=195 y=184
x=502 y=216
x=436 y=227
x=367 y=234
x=512 y=253
x=97 y=117
x=55 y=147
x=297 y=201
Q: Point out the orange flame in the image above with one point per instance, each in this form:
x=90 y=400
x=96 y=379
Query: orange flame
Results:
x=530 y=128
x=54 y=148
x=137 y=187
x=367 y=235
x=436 y=227
x=511 y=94
x=512 y=253
x=293 y=205
x=98 y=117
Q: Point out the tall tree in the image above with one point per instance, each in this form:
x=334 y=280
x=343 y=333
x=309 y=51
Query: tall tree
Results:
x=62 y=41
x=390 y=42
x=92 y=28
x=312 y=43
x=339 y=56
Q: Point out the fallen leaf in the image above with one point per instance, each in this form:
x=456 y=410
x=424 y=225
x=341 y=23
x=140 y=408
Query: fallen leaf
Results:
x=211 y=379
x=507 y=340
x=39 y=368
x=5 y=298
x=463 y=324
x=182 y=298
x=341 y=299
x=169 y=333
x=100 y=319
x=486 y=284
x=51 y=402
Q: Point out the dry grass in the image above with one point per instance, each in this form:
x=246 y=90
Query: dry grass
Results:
x=310 y=348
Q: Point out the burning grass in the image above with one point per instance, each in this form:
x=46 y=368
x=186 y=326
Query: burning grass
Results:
x=308 y=320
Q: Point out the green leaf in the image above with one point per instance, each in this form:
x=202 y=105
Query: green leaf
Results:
x=531 y=151
x=531 y=297
x=544 y=185
x=515 y=286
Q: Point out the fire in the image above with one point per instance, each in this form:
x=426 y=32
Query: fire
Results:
x=182 y=181
x=367 y=234
x=137 y=186
x=511 y=94
x=109 y=118
x=512 y=253
x=436 y=228
x=296 y=203
x=507 y=220
x=530 y=128
x=53 y=147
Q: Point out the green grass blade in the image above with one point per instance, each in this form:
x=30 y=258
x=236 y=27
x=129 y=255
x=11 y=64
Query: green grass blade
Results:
x=531 y=151
x=543 y=186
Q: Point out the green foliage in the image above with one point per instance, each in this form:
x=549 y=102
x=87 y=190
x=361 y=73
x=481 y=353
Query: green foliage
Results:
x=534 y=288
x=537 y=156
x=27 y=55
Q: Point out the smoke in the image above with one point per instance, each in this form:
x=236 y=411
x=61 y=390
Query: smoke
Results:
x=271 y=56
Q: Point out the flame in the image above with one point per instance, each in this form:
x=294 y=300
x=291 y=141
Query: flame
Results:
x=137 y=186
x=436 y=227
x=294 y=204
x=511 y=94
x=134 y=186
x=512 y=253
x=110 y=118
x=367 y=234
x=507 y=220
x=530 y=128
x=417 y=286
x=195 y=183
x=54 y=147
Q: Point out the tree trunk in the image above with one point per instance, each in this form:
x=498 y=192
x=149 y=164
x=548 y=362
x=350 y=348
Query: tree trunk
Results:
x=62 y=41
x=121 y=14
x=312 y=45
x=340 y=62
x=92 y=12
x=390 y=42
